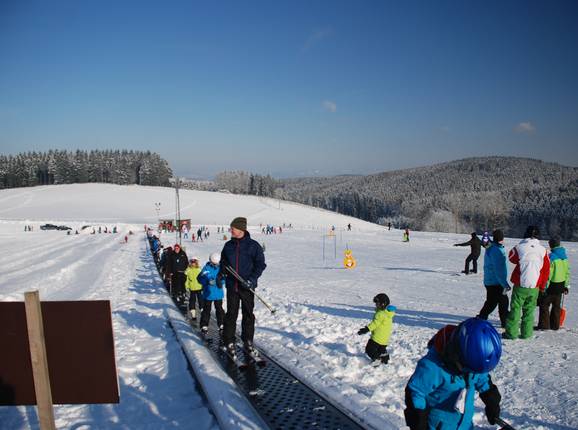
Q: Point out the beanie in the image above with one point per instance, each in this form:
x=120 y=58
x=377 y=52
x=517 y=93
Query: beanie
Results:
x=554 y=242
x=239 y=223
x=498 y=235
x=532 y=232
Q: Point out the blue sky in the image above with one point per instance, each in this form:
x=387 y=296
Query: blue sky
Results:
x=292 y=87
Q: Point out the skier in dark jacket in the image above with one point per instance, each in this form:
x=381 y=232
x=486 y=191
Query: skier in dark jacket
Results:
x=475 y=245
x=246 y=257
x=178 y=264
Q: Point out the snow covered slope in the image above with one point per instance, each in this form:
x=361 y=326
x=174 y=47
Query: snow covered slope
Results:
x=320 y=305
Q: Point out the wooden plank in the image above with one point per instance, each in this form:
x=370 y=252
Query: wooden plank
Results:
x=39 y=361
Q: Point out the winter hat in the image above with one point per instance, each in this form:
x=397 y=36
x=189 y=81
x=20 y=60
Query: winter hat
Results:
x=239 y=223
x=498 y=235
x=532 y=232
x=554 y=242
x=215 y=258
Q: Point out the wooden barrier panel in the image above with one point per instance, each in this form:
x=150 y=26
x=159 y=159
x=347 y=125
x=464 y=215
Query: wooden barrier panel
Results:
x=79 y=347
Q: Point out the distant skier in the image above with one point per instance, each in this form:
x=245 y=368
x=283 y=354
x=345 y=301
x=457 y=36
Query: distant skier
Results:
x=349 y=227
x=380 y=329
x=475 y=249
x=496 y=279
x=529 y=277
x=558 y=284
x=440 y=393
x=406 y=235
x=194 y=288
x=388 y=226
x=213 y=291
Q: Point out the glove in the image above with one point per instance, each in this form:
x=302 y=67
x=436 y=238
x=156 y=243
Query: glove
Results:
x=506 y=289
x=249 y=285
x=491 y=399
x=363 y=331
x=416 y=419
x=566 y=290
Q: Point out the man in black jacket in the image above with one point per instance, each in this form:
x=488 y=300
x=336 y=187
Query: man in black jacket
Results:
x=475 y=245
x=246 y=257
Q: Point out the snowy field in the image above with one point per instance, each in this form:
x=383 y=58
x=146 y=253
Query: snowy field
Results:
x=320 y=306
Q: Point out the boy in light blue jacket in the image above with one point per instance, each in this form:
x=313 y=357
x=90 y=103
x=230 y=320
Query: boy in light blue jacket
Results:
x=213 y=285
x=440 y=394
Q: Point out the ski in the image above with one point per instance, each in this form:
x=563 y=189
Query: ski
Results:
x=504 y=425
x=253 y=358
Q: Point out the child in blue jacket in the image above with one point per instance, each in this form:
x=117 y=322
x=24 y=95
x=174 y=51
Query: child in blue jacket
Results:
x=440 y=394
x=212 y=291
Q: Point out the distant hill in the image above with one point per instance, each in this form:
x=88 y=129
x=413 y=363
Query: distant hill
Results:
x=480 y=193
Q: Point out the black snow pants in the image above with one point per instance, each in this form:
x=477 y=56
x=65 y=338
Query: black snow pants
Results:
x=206 y=314
x=375 y=351
x=474 y=259
x=495 y=297
x=246 y=300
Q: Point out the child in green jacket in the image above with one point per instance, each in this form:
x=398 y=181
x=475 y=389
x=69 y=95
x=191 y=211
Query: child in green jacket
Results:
x=558 y=284
x=380 y=329
x=193 y=286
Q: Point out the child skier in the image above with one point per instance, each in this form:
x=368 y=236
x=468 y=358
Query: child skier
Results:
x=192 y=285
x=380 y=329
x=212 y=292
x=440 y=394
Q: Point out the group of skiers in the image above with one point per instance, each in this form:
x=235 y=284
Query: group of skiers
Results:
x=206 y=286
x=441 y=392
x=539 y=279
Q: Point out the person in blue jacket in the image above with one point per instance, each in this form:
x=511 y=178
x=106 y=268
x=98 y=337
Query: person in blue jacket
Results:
x=440 y=394
x=496 y=279
x=246 y=257
x=213 y=291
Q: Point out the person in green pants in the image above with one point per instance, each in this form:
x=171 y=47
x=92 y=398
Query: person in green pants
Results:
x=529 y=277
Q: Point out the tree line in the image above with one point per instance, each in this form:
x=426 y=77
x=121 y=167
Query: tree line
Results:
x=68 y=167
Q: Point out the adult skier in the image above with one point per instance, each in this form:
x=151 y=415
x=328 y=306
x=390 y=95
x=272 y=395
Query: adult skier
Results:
x=558 y=284
x=529 y=277
x=440 y=393
x=178 y=264
x=475 y=249
x=496 y=279
x=246 y=257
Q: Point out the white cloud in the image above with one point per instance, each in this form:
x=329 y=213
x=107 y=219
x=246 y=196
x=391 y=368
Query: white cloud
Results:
x=525 y=127
x=316 y=37
x=329 y=106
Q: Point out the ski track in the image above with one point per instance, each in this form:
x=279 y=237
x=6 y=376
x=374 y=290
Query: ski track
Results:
x=155 y=382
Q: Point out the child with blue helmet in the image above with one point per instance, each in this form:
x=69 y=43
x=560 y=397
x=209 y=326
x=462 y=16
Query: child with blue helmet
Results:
x=440 y=394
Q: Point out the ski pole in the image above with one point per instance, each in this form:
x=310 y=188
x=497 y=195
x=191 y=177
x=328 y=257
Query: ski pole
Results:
x=505 y=425
x=242 y=281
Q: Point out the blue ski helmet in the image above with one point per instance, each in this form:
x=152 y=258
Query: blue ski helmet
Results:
x=480 y=345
